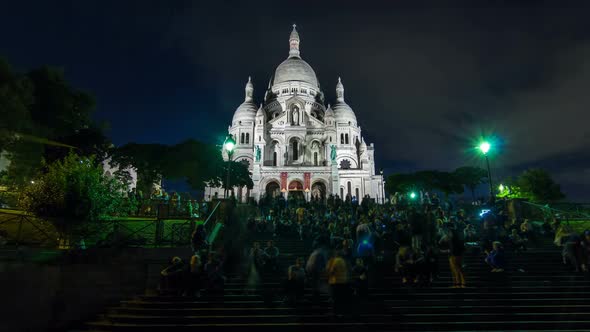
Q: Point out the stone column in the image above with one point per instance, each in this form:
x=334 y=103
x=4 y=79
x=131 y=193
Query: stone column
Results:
x=335 y=178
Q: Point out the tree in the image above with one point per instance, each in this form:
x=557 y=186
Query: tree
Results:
x=71 y=192
x=447 y=183
x=239 y=176
x=471 y=177
x=195 y=162
x=400 y=183
x=424 y=180
x=538 y=186
x=44 y=117
x=16 y=98
x=147 y=159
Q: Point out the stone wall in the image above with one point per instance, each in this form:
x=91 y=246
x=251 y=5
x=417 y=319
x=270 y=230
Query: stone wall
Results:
x=40 y=297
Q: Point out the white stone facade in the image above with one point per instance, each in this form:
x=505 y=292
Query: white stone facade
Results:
x=293 y=131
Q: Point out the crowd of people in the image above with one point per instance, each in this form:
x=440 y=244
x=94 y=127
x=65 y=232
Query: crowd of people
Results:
x=351 y=239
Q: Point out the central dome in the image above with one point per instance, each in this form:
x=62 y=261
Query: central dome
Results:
x=295 y=69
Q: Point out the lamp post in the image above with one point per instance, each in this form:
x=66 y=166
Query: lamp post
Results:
x=485 y=147
x=228 y=145
x=382 y=187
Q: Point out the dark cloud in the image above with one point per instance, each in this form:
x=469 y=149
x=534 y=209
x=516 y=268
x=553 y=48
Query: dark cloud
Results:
x=425 y=80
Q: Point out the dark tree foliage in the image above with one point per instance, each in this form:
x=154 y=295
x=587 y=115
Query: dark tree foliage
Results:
x=195 y=162
x=424 y=180
x=44 y=117
x=147 y=159
x=539 y=186
x=471 y=177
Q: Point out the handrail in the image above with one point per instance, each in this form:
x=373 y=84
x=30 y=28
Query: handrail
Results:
x=570 y=214
x=211 y=214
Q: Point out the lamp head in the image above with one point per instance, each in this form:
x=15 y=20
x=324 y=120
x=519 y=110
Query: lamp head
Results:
x=484 y=147
x=229 y=144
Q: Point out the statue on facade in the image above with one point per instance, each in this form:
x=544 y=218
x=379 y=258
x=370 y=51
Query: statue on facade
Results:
x=258 y=153
x=295 y=116
x=333 y=152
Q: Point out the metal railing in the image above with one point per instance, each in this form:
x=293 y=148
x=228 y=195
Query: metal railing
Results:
x=160 y=230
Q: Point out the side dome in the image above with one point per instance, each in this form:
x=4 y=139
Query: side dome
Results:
x=247 y=110
x=342 y=112
x=295 y=69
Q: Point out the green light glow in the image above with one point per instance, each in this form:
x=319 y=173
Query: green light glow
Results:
x=229 y=144
x=484 y=147
x=412 y=195
x=501 y=188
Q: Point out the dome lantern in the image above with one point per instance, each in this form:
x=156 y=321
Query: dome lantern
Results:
x=294 y=43
x=249 y=90
x=339 y=91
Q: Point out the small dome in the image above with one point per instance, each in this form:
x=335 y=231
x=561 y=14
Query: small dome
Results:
x=344 y=113
x=245 y=112
x=329 y=111
x=295 y=69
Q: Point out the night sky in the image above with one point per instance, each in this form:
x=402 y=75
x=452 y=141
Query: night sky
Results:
x=425 y=81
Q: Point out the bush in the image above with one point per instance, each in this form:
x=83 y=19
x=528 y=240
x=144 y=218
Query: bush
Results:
x=73 y=191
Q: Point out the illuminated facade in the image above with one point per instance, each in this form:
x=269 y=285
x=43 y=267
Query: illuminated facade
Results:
x=295 y=145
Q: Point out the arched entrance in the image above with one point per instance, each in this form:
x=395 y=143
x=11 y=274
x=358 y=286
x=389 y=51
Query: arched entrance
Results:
x=273 y=189
x=296 y=190
x=318 y=191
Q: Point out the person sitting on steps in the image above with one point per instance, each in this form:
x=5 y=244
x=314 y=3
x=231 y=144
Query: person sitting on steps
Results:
x=495 y=258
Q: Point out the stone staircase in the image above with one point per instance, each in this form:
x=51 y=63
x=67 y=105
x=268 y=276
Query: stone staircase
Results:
x=545 y=297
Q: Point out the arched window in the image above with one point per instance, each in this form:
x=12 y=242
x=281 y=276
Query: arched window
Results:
x=259 y=138
x=349 y=189
x=346 y=138
x=274 y=158
x=356 y=191
x=315 y=158
x=341 y=192
x=242 y=138
x=330 y=139
x=247 y=138
x=341 y=138
x=295 y=150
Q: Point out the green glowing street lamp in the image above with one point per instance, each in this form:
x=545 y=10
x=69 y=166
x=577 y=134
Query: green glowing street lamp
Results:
x=413 y=195
x=501 y=188
x=229 y=144
x=485 y=147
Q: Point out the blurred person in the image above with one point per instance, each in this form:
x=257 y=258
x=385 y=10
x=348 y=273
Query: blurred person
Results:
x=496 y=258
x=337 y=271
x=456 y=249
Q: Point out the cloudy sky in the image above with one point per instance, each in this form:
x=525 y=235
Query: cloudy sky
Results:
x=425 y=80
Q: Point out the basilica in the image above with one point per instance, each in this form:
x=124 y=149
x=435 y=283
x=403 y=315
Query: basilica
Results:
x=295 y=144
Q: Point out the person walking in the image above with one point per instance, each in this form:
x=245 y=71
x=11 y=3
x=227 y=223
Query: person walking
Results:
x=315 y=267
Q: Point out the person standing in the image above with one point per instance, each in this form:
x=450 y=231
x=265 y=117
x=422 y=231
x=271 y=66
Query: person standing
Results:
x=295 y=285
x=456 y=248
x=338 y=281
